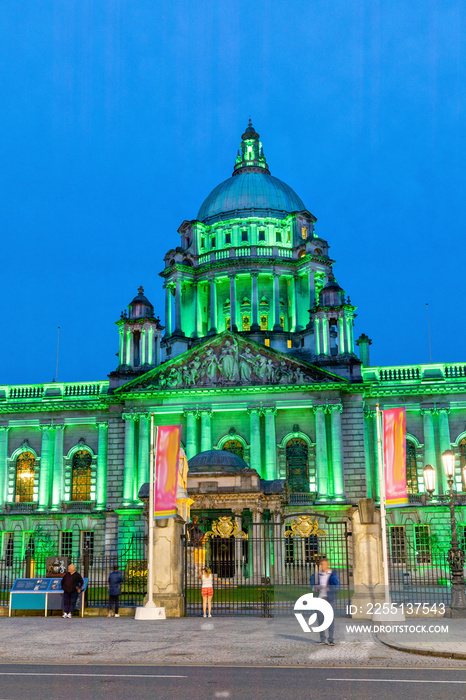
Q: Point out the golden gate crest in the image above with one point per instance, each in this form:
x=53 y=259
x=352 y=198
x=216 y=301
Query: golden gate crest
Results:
x=226 y=527
x=305 y=526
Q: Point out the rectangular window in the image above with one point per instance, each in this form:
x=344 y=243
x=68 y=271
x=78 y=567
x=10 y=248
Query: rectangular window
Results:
x=87 y=542
x=213 y=243
x=227 y=238
x=311 y=545
x=246 y=323
x=289 y=343
x=28 y=543
x=398 y=544
x=289 y=549
x=422 y=544
x=66 y=543
x=267 y=342
x=264 y=323
x=304 y=232
x=278 y=236
x=262 y=235
x=244 y=236
x=462 y=537
x=202 y=242
x=8 y=547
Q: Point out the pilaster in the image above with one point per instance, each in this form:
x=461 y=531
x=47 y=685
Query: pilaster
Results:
x=255 y=461
x=321 y=454
x=337 y=461
x=270 y=443
x=101 y=485
x=45 y=467
x=128 y=478
x=3 y=463
x=57 y=476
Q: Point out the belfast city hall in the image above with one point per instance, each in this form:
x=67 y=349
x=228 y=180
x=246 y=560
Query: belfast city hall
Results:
x=255 y=357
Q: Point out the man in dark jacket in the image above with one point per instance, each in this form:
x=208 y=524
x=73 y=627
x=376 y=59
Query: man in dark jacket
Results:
x=71 y=584
x=326 y=582
x=114 y=589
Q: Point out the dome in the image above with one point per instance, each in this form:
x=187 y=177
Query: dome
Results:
x=140 y=307
x=252 y=190
x=332 y=294
x=249 y=194
x=216 y=461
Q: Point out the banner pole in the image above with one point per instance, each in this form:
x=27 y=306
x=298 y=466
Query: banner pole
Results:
x=150 y=554
x=383 y=515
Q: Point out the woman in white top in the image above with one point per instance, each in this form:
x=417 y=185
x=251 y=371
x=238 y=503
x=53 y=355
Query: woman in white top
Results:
x=207 y=589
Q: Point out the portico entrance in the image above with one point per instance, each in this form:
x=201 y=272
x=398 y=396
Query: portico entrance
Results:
x=262 y=568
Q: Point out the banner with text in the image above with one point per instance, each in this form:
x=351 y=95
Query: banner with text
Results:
x=394 y=457
x=166 y=470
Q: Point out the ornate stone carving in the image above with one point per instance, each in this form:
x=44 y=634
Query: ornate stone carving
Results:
x=226 y=527
x=229 y=360
x=305 y=526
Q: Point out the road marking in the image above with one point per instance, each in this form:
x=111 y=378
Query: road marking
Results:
x=388 y=680
x=91 y=675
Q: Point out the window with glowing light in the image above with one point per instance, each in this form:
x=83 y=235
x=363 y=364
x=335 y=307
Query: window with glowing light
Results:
x=81 y=476
x=422 y=543
x=235 y=447
x=289 y=343
x=25 y=471
x=267 y=342
x=227 y=323
x=282 y=322
x=304 y=232
x=411 y=468
x=246 y=323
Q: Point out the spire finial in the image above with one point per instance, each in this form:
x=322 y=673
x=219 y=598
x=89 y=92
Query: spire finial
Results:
x=251 y=155
x=141 y=290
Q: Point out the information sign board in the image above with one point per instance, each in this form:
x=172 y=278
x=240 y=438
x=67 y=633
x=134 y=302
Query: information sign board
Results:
x=41 y=594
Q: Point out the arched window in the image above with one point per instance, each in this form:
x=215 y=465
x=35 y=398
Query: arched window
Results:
x=297 y=465
x=462 y=449
x=25 y=468
x=81 y=476
x=411 y=470
x=235 y=447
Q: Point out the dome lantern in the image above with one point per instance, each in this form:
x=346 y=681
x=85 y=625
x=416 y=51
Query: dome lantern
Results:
x=251 y=154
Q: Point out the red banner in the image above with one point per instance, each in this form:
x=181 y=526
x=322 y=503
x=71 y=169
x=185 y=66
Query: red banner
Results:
x=166 y=470
x=394 y=457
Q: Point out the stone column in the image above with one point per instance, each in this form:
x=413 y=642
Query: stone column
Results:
x=429 y=447
x=337 y=461
x=143 y=354
x=191 y=433
x=3 y=464
x=121 y=354
x=178 y=328
x=57 y=476
x=296 y=303
x=206 y=431
x=278 y=569
x=129 y=348
x=270 y=443
x=45 y=467
x=341 y=336
x=321 y=455
x=325 y=336
x=376 y=458
x=143 y=451
x=317 y=336
x=445 y=443
x=168 y=311
x=213 y=308
x=238 y=512
x=255 y=302
x=101 y=486
x=256 y=544
x=276 y=301
x=233 y=325
x=128 y=477
x=196 y=310
x=367 y=555
x=367 y=450
x=157 y=350
x=312 y=289
x=255 y=461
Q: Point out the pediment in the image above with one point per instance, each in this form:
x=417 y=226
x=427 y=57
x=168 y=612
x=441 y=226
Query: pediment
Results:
x=228 y=360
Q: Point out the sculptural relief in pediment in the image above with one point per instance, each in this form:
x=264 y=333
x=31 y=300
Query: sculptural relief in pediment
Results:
x=231 y=361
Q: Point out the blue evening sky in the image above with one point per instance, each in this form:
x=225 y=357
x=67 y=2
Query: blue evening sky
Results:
x=118 y=117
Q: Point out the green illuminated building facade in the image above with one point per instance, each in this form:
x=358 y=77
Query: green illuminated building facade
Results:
x=256 y=357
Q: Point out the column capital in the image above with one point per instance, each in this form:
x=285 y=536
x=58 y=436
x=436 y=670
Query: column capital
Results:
x=329 y=408
x=444 y=409
x=45 y=427
x=130 y=416
x=318 y=407
x=237 y=512
x=189 y=411
x=59 y=426
x=4 y=428
x=369 y=412
x=428 y=411
x=269 y=409
x=101 y=424
x=254 y=273
x=257 y=409
x=206 y=410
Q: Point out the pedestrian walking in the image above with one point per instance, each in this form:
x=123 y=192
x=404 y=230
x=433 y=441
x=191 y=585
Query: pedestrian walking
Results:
x=207 y=590
x=115 y=580
x=325 y=582
x=72 y=584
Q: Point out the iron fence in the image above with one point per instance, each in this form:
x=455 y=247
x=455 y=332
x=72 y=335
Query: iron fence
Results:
x=265 y=571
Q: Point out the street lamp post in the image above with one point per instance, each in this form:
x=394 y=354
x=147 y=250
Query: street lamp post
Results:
x=455 y=553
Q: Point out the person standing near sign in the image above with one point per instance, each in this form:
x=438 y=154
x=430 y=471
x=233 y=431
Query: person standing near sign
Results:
x=115 y=580
x=71 y=583
x=207 y=589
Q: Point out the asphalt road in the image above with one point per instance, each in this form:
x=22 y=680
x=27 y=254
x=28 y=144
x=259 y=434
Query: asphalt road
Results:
x=18 y=682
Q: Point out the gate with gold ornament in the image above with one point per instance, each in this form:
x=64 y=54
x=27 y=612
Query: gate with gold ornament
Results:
x=262 y=568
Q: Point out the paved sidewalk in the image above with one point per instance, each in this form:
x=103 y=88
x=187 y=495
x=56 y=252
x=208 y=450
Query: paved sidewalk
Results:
x=222 y=640
x=451 y=644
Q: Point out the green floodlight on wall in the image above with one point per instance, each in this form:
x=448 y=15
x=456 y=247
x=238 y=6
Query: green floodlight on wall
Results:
x=429 y=478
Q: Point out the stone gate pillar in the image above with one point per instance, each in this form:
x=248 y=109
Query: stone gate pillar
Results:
x=367 y=555
x=168 y=566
